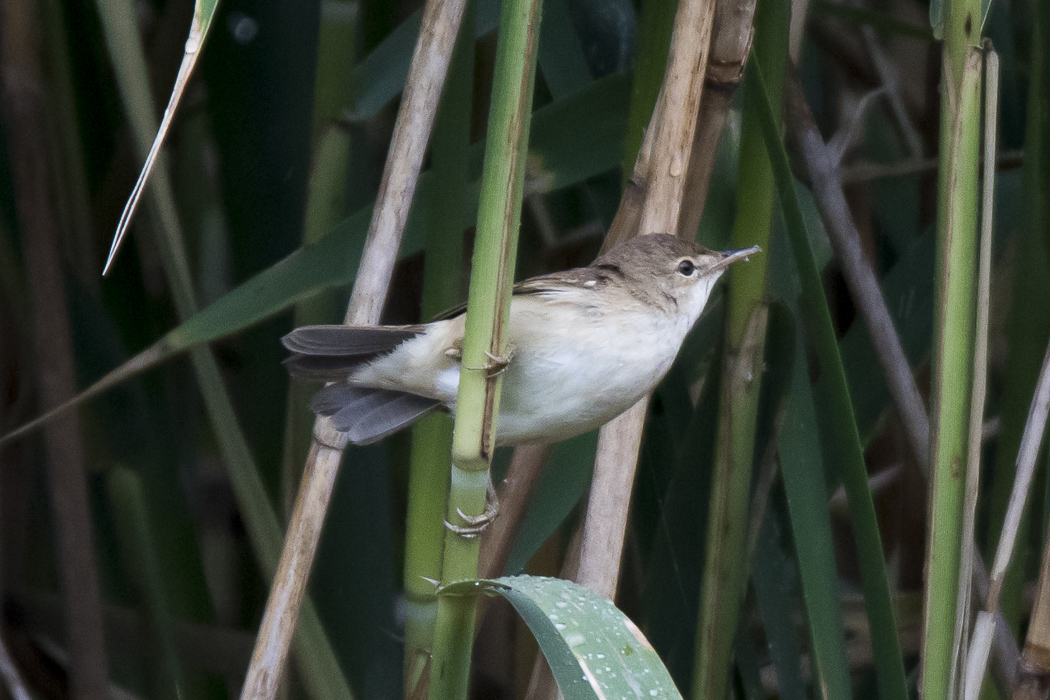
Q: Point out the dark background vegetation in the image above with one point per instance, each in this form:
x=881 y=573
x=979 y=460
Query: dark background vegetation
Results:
x=240 y=156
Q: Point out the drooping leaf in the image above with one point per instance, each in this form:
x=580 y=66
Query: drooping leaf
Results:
x=593 y=649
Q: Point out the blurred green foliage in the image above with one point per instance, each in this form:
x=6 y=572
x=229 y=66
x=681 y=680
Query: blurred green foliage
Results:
x=242 y=155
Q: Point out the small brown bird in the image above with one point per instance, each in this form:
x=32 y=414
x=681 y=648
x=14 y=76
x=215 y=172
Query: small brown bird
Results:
x=585 y=345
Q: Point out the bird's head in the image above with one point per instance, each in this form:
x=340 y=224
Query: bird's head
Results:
x=673 y=273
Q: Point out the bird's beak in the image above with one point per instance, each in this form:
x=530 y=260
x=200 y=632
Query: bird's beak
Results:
x=731 y=256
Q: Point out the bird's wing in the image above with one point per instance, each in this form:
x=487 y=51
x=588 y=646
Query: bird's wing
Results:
x=553 y=284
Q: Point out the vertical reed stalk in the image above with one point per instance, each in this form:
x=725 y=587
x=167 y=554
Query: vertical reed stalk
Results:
x=726 y=559
x=651 y=204
x=963 y=616
x=488 y=310
x=731 y=36
x=442 y=289
x=953 y=335
x=441 y=19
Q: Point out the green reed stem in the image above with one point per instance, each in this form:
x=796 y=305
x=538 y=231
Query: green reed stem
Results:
x=725 y=570
x=952 y=361
x=442 y=289
x=488 y=310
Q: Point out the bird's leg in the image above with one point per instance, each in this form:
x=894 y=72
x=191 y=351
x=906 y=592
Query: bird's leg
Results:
x=476 y=524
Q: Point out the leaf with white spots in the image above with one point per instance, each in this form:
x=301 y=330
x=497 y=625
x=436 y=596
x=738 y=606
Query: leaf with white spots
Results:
x=593 y=649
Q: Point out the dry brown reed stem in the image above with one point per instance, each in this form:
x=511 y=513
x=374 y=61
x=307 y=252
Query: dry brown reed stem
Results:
x=610 y=496
x=675 y=116
x=988 y=619
x=25 y=114
x=860 y=277
x=415 y=120
x=660 y=173
x=1005 y=652
x=731 y=36
x=1033 y=668
x=514 y=496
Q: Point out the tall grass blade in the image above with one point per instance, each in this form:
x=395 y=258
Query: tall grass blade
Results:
x=203 y=12
x=321 y=671
x=838 y=424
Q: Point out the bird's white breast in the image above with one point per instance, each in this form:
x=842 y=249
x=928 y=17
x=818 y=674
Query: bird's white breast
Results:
x=580 y=369
x=577 y=361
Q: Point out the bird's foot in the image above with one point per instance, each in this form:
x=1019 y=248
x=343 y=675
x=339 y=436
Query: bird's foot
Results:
x=476 y=524
x=496 y=365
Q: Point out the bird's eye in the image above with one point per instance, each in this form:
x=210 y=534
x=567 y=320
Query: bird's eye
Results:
x=687 y=268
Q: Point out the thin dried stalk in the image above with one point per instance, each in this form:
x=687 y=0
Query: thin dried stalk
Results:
x=980 y=371
x=25 y=117
x=1033 y=669
x=1026 y=459
x=440 y=24
x=656 y=191
x=675 y=116
x=860 y=277
x=731 y=38
x=606 y=523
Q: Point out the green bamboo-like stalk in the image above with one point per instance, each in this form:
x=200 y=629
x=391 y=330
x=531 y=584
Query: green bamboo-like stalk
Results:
x=488 y=310
x=655 y=26
x=314 y=654
x=336 y=53
x=325 y=207
x=957 y=199
x=129 y=506
x=726 y=561
x=442 y=289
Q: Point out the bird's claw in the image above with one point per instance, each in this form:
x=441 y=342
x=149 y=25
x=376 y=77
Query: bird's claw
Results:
x=476 y=524
x=496 y=365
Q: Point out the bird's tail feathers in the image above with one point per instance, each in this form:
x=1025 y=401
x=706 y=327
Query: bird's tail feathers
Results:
x=330 y=353
x=367 y=414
